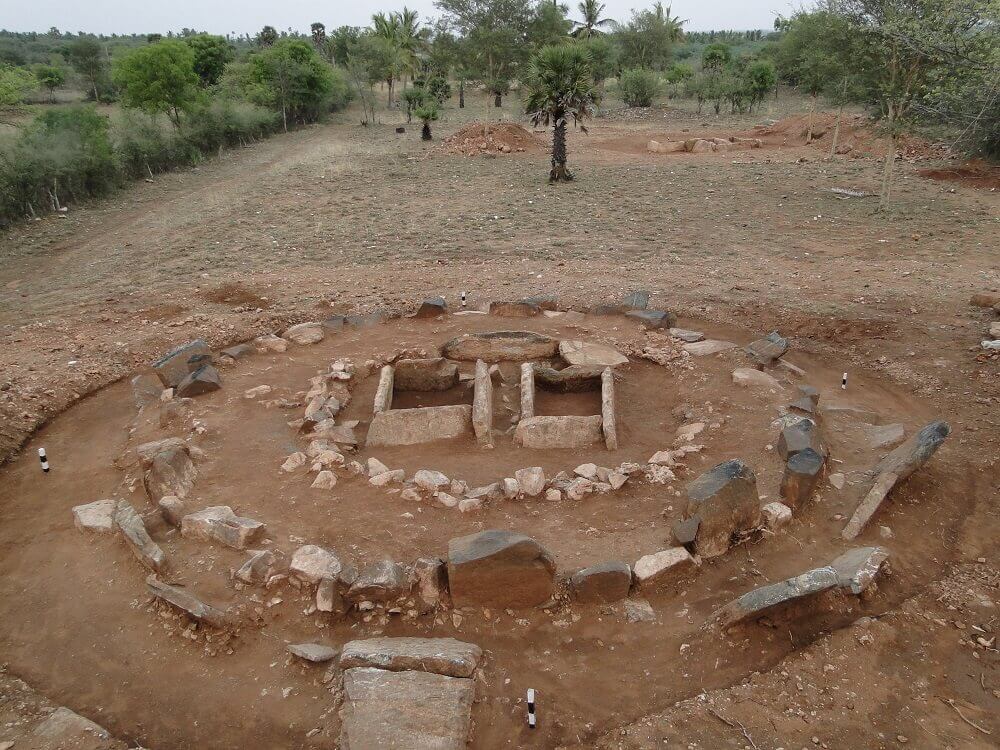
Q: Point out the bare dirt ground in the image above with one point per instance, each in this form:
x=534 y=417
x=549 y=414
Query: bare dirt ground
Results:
x=338 y=218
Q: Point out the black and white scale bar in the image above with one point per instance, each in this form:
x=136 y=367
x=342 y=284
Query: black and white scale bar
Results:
x=44 y=460
x=532 y=720
x=843 y=382
x=463 y=299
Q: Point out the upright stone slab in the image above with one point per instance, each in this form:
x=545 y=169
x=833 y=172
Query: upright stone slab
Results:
x=178 y=364
x=380 y=581
x=572 y=379
x=436 y=374
x=803 y=472
x=768 y=350
x=559 y=432
x=800 y=436
x=500 y=346
x=383 y=394
x=726 y=503
x=444 y=656
x=424 y=425
x=482 y=404
x=663 y=568
x=527 y=390
x=498 y=568
x=609 y=410
x=203 y=380
x=405 y=710
x=168 y=469
x=637 y=300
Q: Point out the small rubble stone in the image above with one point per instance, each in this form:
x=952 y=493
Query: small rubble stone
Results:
x=188 y=602
x=684 y=531
x=168 y=468
x=510 y=487
x=381 y=581
x=653 y=319
x=219 y=523
x=444 y=656
x=64 y=729
x=432 y=307
x=305 y=334
x=431 y=481
x=134 y=532
x=768 y=349
x=325 y=480
x=579 y=488
x=203 y=380
x=316 y=653
x=424 y=375
x=639 y=610
x=431 y=578
x=602 y=583
x=178 y=364
x=312 y=563
x=587 y=471
x=98 y=517
x=260 y=390
x=802 y=474
x=589 y=354
x=147 y=388
x=776 y=515
x=375 y=467
x=499 y=568
x=662 y=568
x=552 y=494
x=387 y=477
x=725 y=500
x=293 y=462
x=446 y=499
x=531 y=481
x=470 y=504
x=328 y=598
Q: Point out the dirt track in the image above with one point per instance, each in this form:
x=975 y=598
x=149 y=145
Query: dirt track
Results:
x=337 y=218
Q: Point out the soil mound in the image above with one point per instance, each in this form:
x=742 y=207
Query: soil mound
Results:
x=976 y=173
x=494 y=137
x=858 y=136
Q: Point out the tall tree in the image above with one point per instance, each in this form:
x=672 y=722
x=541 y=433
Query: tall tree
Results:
x=211 y=53
x=87 y=58
x=267 y=36
x=318 y=32
x=592 y=22
x=647 y=39
x=559 y=87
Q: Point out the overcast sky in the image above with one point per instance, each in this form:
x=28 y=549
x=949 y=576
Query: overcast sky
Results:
x=240 y=16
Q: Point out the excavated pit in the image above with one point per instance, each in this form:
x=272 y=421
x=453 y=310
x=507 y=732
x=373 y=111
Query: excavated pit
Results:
x=79 y=624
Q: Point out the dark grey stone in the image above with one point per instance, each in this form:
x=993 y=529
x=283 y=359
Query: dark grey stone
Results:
x=637 y=300
x=857 y=568
x=187 y=602
x=726 y=502
x=757 y=603
x=203 y=380
x=798 y=437
x=499 y=568
x=915 y=452
x=432 y=307
x=382 y=581
x=605 y=582
x=802 y=473
x=175 y=366
x=768 y=349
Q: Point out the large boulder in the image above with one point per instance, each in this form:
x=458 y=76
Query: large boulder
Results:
x=445 y=656
x=602 y=583
x=220 y=524
x=407 y=710
x=437 y=374
x=172 y=368
x=500 y=346
x=500 y=569
x=726 y=503
x=423 y=425
x=558 y=432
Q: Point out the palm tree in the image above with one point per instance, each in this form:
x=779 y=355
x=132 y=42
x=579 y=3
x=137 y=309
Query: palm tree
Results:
x=560 y=86
x=673 y=23
x=591 y=11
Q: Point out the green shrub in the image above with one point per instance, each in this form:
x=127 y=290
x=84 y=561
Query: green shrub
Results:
x=638 y=88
